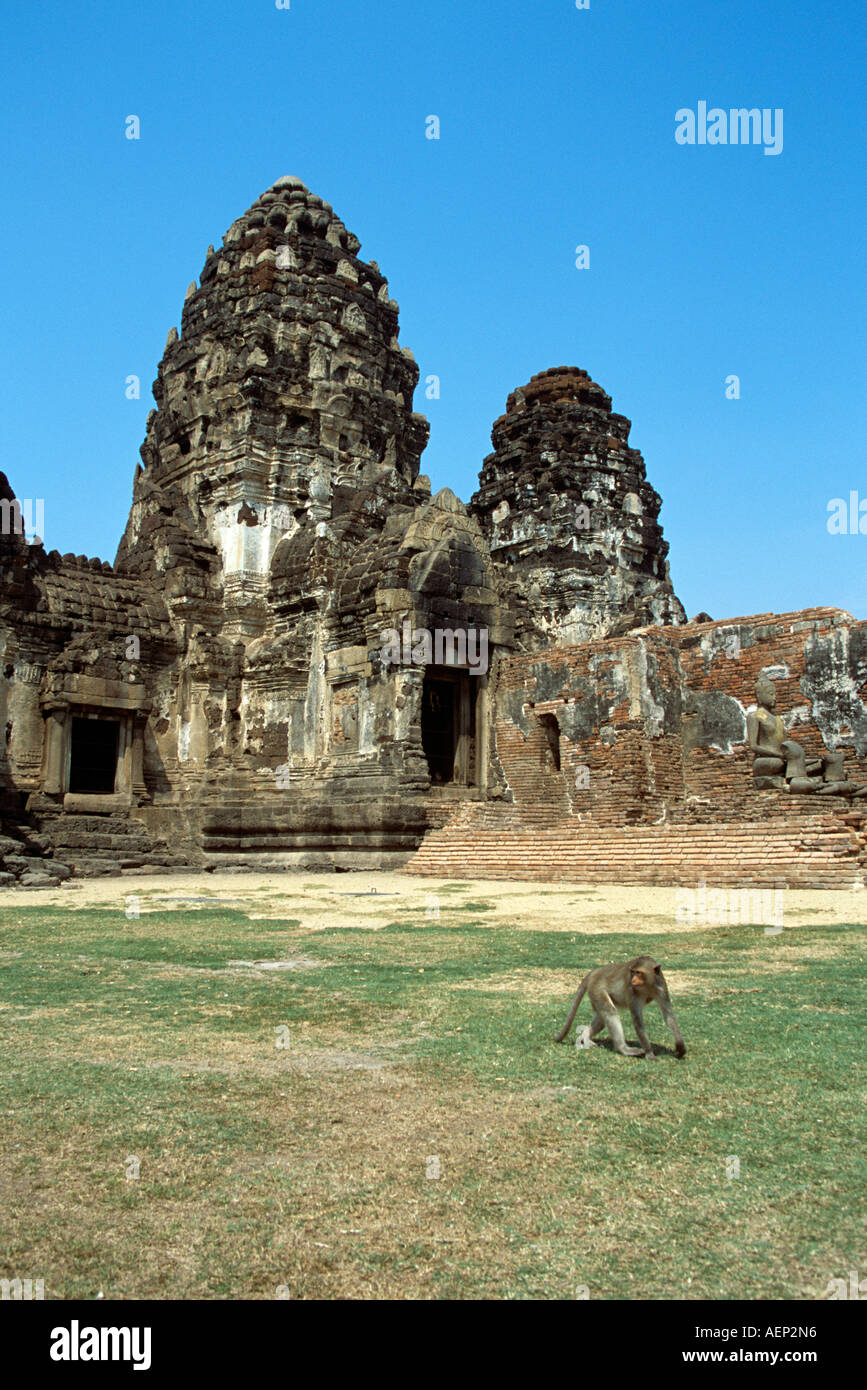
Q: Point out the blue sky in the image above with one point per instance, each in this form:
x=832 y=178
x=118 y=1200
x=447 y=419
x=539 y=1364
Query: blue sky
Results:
x=557 y=129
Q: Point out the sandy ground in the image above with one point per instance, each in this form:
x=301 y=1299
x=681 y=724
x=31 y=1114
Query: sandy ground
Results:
x=374 y=899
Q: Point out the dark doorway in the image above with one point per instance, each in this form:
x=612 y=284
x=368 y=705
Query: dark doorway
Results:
x=93 y=763
x=448 y=707
x=438 y=728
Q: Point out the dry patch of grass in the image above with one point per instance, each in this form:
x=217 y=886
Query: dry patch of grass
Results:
x=530 y=984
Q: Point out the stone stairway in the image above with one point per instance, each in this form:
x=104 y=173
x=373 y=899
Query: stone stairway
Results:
x=113 y=843
x=816 y=851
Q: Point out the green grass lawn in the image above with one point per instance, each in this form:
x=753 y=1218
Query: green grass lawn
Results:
x=288 y=1126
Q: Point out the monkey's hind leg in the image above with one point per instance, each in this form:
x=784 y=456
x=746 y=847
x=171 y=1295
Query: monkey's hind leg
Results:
x=615 y=1028
x=585 y=1038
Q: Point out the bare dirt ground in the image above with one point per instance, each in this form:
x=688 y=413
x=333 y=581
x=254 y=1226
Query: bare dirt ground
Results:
x=370 y=899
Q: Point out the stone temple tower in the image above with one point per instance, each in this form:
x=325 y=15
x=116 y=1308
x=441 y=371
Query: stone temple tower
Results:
x=570 y=516
x=287 y=383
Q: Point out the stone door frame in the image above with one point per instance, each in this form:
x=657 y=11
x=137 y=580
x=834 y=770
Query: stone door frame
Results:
x=465 y=724
x=87 y=697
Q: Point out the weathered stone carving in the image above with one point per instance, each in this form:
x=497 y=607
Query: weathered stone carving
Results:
x=286 y=387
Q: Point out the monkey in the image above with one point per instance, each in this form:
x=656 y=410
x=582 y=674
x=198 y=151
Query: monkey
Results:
x=612 y=987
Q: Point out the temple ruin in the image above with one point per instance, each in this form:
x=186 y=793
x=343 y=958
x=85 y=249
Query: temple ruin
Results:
x=224 y=694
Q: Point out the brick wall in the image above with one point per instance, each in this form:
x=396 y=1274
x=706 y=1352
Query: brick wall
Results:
x=655 y=781
x=658 y=718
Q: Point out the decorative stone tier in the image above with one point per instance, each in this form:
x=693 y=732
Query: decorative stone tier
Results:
x=95 y=845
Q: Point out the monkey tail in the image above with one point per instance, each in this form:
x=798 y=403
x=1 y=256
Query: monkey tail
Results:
x=582 y=990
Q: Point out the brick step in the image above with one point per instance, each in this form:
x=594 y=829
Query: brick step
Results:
x=744 y=848
x=624 y=839
x=790 y=875
x=817 y=851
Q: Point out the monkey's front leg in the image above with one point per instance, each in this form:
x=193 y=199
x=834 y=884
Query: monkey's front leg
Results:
x=668 y=1015
x=638 y=1019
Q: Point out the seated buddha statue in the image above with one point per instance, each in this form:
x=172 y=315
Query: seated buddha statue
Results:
x=767 y=739
x=781 y=762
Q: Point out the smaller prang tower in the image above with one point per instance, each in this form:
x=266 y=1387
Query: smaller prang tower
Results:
x=571 y=519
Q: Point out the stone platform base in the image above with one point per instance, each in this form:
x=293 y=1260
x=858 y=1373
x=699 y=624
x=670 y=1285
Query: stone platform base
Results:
x=310 y=861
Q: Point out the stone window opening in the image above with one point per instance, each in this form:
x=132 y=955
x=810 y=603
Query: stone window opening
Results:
x=551 y=747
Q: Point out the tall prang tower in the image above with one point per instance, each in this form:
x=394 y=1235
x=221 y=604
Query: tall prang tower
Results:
x=286 y=387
